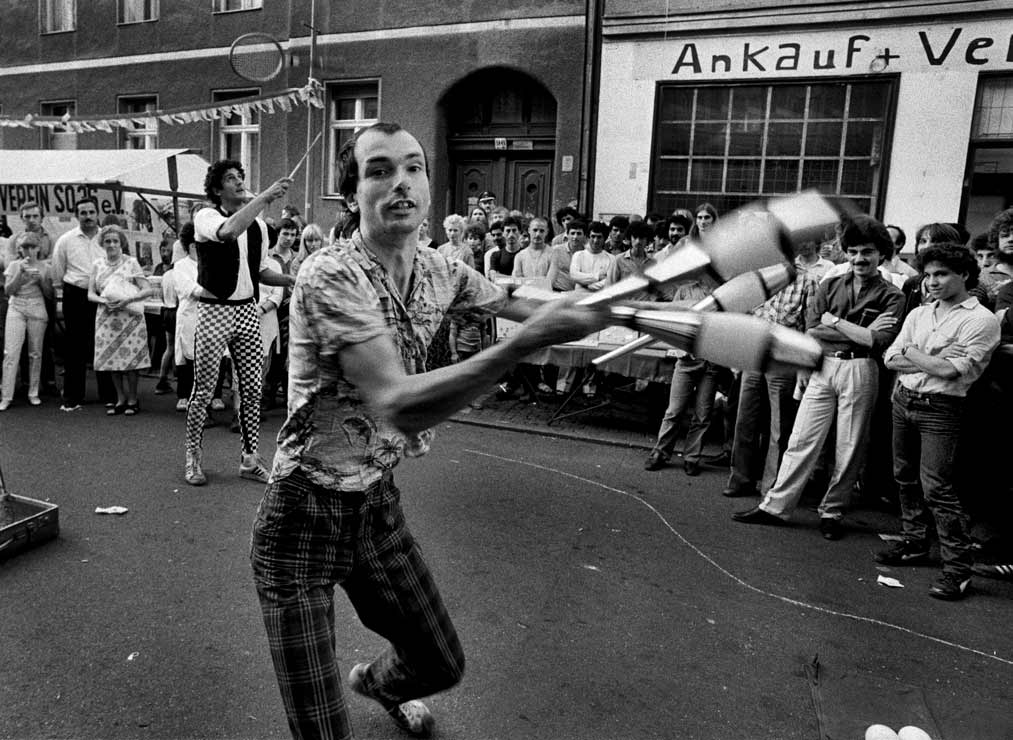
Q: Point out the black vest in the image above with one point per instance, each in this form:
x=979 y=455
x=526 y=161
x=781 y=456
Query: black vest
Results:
x=218 y=262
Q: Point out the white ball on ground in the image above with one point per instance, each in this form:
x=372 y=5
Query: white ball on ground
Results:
x=913 y=733
x=880 y=732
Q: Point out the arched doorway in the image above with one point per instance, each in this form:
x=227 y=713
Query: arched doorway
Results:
x=501 y=137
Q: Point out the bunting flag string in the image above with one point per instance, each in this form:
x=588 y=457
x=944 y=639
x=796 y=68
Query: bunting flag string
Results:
x=310 y=95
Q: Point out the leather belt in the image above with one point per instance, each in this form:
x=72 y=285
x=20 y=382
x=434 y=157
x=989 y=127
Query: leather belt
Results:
x=851 y=354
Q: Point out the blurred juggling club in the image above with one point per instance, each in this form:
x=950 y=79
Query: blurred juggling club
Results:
x=738 y=295
x=730 y=339
x=743 y=241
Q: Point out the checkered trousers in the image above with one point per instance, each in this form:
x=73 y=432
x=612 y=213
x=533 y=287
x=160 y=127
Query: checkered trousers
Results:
x=238 y=328
x=306 y=539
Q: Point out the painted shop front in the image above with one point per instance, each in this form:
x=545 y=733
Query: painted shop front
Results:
x=912 y=121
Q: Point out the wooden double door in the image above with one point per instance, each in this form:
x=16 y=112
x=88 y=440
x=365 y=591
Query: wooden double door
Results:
x=522 y=183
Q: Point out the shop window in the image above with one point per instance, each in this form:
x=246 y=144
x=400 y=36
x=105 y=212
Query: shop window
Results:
x=143 y=131
x=990 y=160
x=58 y=137
x=227 y=6
x=238 y=134
x=137 y=11
x=732 y=144
x=351 y=106
x=57 y=16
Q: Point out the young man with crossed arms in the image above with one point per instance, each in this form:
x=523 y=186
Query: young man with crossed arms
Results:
x=943 y=347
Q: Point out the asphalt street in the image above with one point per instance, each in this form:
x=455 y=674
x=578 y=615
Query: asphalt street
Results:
x=595 y=600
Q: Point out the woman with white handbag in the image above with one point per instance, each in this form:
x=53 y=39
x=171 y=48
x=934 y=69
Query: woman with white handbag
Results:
x=118 y=285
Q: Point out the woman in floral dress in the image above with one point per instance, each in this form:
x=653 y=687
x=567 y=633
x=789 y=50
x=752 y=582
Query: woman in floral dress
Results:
x=118 y=285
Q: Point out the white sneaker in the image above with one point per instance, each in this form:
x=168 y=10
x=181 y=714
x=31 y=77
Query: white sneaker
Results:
x=217 y=404
x=182 y=404
x=4 y=405
x=251 y=468
x=193 y=473
x=35 y=400
x=412 y=716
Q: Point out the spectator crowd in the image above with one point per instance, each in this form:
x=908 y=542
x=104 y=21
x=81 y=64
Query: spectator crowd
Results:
x=917 y=354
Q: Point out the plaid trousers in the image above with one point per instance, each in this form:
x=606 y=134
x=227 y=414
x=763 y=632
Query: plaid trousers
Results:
x=307 y=538
x=238 y=328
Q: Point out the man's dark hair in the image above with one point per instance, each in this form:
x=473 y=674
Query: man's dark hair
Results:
x=476 y=230
x=654 y=217
x=596 y=227
x=291 y=209
x=578 y=224
x=938 y=233
x=187 y=234
x=1002 y=222
x=213 y=178
x=29 y=204
x=496 y=226
x=861 y=229
x=564 y=212
x=661 y=229
x=287 y=223
x=619 y=222
x=901 y=236
x=640 y=230
x=680 y=218
x=956 y=257
x=348 y=168
x=979 y=242
x=86 y=199
x=512 y=221
x=962 y=232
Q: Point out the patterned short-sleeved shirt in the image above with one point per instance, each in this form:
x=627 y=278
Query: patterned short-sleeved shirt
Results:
x=344 y=296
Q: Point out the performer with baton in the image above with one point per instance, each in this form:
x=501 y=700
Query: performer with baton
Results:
x=232 y=244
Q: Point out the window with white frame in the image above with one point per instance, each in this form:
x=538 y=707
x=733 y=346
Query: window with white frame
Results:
x=58 y=137
x=137 y=11
x=227 y=6
x=57 y=16
x=238 y=135
x=351 y=106
x=731 y=144
x=143 y=131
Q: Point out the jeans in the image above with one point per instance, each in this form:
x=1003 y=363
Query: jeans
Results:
x=692 y=380
x=842 y=389
x=23 y=319
x=765 y=417
x=926 y=432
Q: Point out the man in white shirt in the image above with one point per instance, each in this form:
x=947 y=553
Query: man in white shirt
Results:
x=533 y=260
x=590 y=267
x=232 y=248
x=74 y=256
x=942 y=348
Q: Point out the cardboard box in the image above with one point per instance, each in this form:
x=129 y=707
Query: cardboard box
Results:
x=35 y=522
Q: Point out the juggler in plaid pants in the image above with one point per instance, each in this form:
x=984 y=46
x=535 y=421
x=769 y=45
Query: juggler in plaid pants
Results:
x=237 y=326
x=308 y=538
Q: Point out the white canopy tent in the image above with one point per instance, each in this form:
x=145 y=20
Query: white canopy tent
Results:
x=56 y=179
